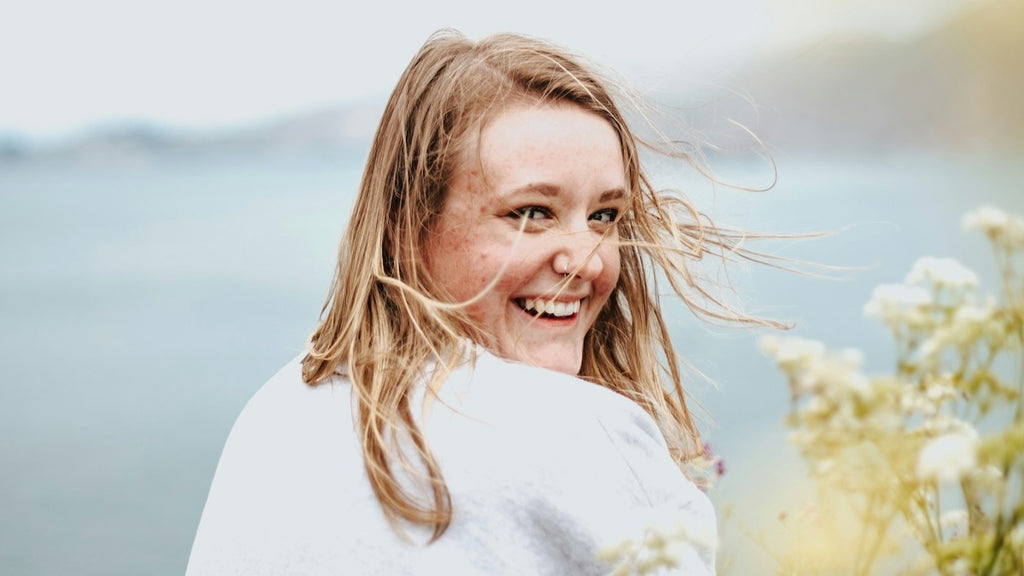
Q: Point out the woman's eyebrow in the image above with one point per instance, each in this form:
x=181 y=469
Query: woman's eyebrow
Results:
x=614 y=194
x=540 y=188
x=553 y=190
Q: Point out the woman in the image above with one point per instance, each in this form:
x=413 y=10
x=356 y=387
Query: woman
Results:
x=491 y=388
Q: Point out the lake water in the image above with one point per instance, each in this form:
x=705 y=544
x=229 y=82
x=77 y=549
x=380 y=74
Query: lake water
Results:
x=142 y=301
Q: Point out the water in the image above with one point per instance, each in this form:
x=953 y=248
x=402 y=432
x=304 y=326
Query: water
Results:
x=144 y=300
x=142 y=304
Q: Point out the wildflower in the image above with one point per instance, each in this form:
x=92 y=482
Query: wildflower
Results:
x=960 y=567
x=989 y=477
x=940 y=390
x=969 y=324
x=970 y=321
x=791 y=351
x=665 y=543
x=913 y=402
x=945 y=424
x=956 y=521
x=899 y=441
x=897 y=304
x=842 y=371
x=1016 y=536
x=948 y=457
x=936 y=392
x=804 y=438
x=1002 y=229
x=709 y=467
x=942 y=272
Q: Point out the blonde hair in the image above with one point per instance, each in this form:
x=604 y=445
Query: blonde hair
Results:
x=385 y=319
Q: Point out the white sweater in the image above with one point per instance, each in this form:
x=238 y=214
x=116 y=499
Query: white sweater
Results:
x=543 y=469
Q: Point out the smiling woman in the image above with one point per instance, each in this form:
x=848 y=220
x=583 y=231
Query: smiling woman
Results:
x=527 y=235
x=491 y=388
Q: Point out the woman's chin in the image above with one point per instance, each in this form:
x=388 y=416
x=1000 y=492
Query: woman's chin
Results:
x=566 y=360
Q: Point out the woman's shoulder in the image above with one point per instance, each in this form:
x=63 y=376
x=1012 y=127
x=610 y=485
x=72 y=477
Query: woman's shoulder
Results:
x=540 y=412
x=544 y=393
x=287 y=430
x=286 y=387
x=286 y=406
x=289 y=469
x=287 y=419
x=579 y=458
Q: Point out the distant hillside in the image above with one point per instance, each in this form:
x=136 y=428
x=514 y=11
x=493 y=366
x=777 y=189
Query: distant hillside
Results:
x=340 y=130
x=958 y=87
x=346 y=128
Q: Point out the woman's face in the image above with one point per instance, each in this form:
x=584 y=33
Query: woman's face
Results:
x=546 y=190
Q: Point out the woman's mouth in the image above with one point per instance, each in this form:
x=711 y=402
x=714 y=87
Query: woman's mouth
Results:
x=549 y=308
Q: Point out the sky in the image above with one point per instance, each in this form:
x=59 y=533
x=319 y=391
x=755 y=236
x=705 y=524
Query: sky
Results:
x=67 y=65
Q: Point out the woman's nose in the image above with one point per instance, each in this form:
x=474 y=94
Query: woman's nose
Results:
x=578 y=255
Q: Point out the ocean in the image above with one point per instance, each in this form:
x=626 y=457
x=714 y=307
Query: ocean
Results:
x=144 y=298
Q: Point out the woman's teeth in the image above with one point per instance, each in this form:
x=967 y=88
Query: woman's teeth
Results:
x=539 y=306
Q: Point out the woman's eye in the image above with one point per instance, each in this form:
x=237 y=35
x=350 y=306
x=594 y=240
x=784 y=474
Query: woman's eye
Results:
x=530 y=213
x=605 y=216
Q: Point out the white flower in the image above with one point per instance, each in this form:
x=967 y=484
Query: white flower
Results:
x=985 y=218
x=960 y=567
x=928 y=401
x=932 y=346
x=791 y=351
x=956 y=521
x=900 y=295
x=665 y=544
x=948 y=457
x=899 y=304
x=940 y=391
x=1016 y=536
x=813 y=370
x=945 y=272
x=989 y=478
x=842 y=370
x=912 y=401
x=1002 y=228
x=969 y=322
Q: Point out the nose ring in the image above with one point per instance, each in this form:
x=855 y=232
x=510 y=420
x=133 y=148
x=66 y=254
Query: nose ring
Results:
x=566 y=264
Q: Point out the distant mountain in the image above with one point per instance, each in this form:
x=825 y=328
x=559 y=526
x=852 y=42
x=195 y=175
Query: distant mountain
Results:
x=347 y=128
x=958 y=87
x=340 y=130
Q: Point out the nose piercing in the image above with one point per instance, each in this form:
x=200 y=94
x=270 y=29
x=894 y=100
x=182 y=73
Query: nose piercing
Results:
x=565 y=271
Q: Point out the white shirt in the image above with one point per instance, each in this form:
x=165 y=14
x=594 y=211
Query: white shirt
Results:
x=543 y=469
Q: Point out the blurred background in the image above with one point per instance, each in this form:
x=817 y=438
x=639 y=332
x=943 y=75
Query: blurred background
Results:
x=174 y=178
